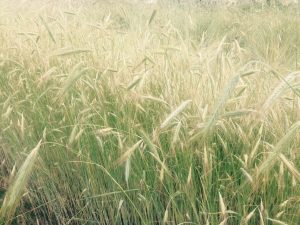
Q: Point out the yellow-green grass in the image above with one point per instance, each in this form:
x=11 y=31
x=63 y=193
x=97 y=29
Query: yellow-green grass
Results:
x=149 y=114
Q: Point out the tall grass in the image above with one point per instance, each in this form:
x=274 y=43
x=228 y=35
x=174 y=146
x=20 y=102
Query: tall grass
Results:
x=161 y=114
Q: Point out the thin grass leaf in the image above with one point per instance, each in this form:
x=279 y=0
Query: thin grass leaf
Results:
x=238 y=113
x=135 y=82
x=70 y=51
x=152 y=16
x=48 y=29
x=149 y=97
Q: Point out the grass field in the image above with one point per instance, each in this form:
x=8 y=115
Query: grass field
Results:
x=121 y=113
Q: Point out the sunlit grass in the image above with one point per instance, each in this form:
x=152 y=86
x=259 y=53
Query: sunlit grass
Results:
x=157 y=114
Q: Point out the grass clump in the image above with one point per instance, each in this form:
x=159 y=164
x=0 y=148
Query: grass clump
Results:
x=157 y=114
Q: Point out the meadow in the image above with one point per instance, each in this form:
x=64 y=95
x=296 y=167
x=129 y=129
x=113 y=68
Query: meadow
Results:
x=115 y=112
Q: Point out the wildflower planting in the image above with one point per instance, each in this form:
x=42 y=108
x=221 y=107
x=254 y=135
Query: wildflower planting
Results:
x=127 y=113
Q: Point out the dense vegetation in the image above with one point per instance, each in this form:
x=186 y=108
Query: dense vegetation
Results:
x=119 y=113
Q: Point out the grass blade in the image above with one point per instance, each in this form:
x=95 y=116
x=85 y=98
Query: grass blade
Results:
x=48 y=29
x=152 y=16
x=70 y=51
